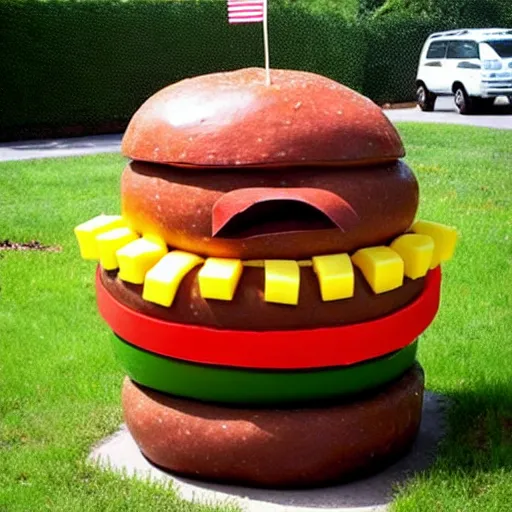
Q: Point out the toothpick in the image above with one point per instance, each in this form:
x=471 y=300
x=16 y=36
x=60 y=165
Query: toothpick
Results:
x=265 y=43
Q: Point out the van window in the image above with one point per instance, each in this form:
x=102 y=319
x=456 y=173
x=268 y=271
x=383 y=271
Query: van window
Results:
x=437 y=50
x=503 y=48
x=463 y=50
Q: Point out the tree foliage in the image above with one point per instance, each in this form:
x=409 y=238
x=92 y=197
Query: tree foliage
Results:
x=469 y=13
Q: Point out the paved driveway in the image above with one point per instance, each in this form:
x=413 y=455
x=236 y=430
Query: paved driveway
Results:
x=445 y=113
x=49 y=148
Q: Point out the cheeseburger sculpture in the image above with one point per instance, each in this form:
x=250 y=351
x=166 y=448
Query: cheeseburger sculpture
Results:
x=267 y=281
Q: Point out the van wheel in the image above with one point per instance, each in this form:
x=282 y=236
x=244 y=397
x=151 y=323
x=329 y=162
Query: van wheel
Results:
x=426 y=100
x=463 y=101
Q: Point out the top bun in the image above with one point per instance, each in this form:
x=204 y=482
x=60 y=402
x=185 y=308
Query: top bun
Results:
x=234 y=119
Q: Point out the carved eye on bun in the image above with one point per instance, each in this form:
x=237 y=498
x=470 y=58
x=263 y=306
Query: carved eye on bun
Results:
x=261 y=211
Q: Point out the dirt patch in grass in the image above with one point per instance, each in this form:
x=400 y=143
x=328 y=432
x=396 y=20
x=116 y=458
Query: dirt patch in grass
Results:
x=33 y=245
x=506 y=425
x=479 y=436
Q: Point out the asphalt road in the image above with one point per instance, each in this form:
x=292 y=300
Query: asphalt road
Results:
x=445 y=112
x=51 y=148
x=500 y=116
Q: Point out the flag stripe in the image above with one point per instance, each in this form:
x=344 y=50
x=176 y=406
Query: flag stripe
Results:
x=248 y=15
x=245 y=20
x=245 y=9
x=245 y=13
x=238 y=3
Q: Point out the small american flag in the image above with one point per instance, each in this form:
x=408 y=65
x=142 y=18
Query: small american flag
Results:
x=246 y=11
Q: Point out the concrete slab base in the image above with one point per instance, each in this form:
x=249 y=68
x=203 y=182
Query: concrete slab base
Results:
x=120 y=453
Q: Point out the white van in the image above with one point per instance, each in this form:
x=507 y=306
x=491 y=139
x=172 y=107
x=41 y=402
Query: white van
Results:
x=475 y=65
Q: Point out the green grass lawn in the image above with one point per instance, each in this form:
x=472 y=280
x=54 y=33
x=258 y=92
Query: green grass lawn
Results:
x=60 y=385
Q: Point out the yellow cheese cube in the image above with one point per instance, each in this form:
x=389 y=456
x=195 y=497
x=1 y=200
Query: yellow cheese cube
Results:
x=136 y=258
x=335 y=275
x=282 y=281
x=87 y=232
x=445 y=239
x=162 y=281
x=416 y=251
x=219 y=278
x=110 y=242
x=381 y=266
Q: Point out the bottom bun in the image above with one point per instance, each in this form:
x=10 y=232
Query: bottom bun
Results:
x=300 y=447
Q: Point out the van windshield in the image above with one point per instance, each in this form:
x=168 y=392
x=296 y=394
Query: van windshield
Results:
x=502 y=47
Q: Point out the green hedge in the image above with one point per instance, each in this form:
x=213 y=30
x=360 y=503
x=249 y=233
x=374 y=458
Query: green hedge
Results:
x=86 y=66
x=394 y=45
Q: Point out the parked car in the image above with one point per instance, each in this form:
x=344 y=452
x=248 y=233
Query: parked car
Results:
x=474 y=65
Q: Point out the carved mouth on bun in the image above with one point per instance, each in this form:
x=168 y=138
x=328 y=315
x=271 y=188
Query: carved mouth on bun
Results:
x=252 y=212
